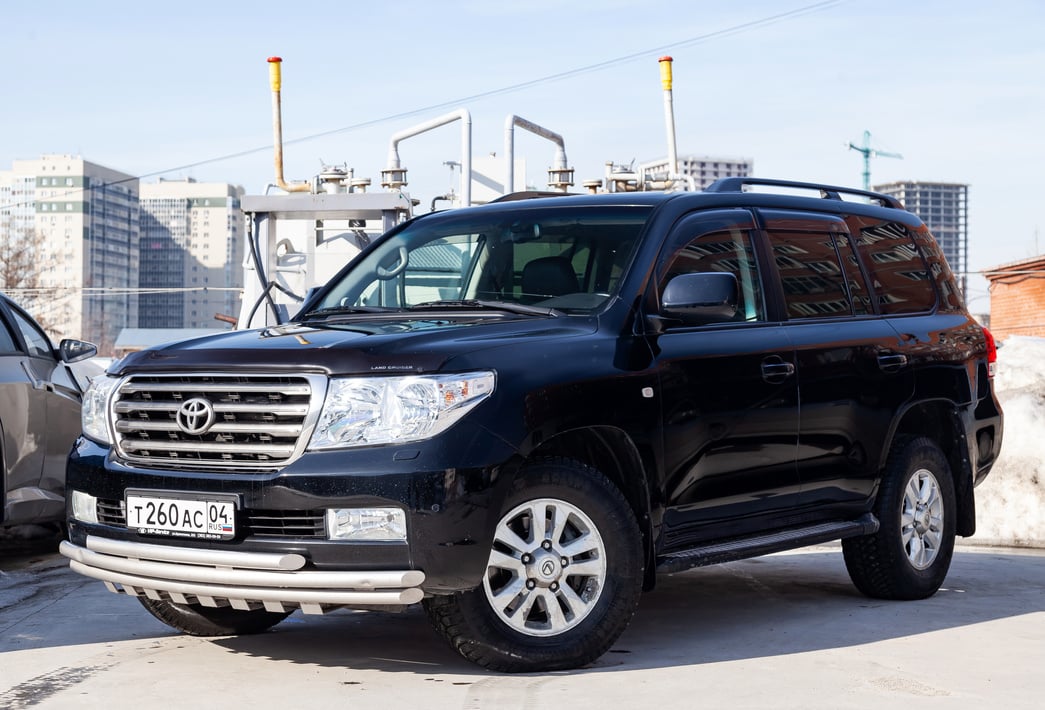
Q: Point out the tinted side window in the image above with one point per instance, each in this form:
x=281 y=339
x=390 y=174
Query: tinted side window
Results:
x=810 y=274
x=724 y=251
x=938 y=269
x=899 y=275
x=859 y=294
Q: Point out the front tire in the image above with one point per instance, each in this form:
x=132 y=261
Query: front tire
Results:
x=199 y=620
x=909 y=556
x=562 y=581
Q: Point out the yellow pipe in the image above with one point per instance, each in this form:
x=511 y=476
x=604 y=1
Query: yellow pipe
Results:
x=669 y=117
x=275 y=72
x=276 y=81
x=665 y=72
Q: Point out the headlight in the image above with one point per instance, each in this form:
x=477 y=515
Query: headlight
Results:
x=364 y=411
x=94 y=414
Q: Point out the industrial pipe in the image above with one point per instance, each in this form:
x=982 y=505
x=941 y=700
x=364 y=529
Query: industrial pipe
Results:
x=394 y=176
x=669 y=116
x=559 y=173
x=275 y=79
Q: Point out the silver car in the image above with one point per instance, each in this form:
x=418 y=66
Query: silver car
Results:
x=39 y=417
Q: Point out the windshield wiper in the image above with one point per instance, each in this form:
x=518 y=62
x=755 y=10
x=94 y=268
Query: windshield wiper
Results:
x=506 y=306
x=347 y=310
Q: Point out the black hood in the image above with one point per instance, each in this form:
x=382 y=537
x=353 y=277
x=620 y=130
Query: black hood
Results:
x=361 y=344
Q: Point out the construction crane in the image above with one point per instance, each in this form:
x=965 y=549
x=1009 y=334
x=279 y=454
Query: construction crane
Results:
x=868 y=152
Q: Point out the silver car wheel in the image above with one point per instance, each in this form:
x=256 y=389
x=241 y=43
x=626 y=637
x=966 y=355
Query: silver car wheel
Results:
x=922 y=519
x=547 y=568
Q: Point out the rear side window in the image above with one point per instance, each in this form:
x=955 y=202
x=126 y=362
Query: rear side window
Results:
x=946 y=285
x=899 y=275
x=858 y=292
x=819 y=273
x=810 y=274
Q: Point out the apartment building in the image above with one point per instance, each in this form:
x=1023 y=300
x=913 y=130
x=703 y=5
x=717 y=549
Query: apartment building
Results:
x=82 y=222
x=704 y=169
x=192 y=238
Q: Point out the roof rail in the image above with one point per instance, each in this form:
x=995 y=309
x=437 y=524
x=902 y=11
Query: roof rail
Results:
x=828 y=192
x=533 y=195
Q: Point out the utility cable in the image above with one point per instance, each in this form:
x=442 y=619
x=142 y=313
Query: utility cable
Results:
x=559 y=76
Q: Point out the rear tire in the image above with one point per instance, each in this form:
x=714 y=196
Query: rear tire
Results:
x=909 y=556
x=198 y=620
x=563 y=578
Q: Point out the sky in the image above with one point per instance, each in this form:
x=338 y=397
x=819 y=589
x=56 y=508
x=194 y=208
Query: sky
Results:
x=180 y=89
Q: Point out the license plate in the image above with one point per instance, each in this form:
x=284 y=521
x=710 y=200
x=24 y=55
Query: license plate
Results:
x=208 y=518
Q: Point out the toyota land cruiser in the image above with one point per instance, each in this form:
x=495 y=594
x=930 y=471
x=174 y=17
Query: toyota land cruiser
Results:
x=519 y=414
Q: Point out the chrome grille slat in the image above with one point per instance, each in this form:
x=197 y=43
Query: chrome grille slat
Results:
x=256 y=422
x=221 y=428
x=288 y=410
x=163 y=445
x=132 y=387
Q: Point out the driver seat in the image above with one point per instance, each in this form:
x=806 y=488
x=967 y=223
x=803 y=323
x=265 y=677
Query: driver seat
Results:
x=547 y=277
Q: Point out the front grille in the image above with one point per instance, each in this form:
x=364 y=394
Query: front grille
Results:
x=255 y=422
x=256 y=523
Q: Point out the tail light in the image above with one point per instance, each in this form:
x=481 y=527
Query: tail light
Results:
x=992 y=353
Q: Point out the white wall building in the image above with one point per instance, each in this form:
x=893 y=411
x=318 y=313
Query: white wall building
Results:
x=704 y=169
x=192 y=240
x=84 y=218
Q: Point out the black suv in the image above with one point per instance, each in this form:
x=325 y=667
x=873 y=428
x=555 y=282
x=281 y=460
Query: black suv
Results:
x=518 y=414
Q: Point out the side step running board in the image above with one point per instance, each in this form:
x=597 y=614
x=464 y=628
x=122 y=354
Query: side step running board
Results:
x=741 y=548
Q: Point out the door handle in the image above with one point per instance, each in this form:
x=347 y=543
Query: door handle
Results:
x=775 y=369
x=892 y=362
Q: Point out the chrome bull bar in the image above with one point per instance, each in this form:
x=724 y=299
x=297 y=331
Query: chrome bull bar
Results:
x=242 y=580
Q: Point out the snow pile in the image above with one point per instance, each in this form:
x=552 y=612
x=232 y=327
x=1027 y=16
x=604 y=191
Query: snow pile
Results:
x=1010 y=504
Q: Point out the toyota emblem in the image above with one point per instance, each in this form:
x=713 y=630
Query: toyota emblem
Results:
x=195 y=416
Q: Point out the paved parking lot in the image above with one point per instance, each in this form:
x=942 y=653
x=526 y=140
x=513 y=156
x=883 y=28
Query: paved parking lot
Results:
x=785 y=631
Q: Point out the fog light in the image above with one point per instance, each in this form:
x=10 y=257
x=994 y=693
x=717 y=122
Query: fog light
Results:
x=85 y=507
x=370 y=524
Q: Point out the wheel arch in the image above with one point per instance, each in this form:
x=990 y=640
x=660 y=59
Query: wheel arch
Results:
x=940 y=420
x=612 y=452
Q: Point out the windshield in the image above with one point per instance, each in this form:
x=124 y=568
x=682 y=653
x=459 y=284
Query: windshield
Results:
x=569 y=259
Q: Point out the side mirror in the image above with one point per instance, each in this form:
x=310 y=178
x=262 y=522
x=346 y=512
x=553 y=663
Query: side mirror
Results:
x=76 y=350
x=695 y=299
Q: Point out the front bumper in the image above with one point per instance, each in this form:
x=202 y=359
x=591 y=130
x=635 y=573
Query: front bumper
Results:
x=449 y=488
x=242 y=580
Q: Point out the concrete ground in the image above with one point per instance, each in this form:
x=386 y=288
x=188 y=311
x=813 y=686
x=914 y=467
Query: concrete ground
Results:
x=784 y=631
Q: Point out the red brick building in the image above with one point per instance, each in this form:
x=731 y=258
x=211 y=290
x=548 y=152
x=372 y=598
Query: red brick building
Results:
x=1018 y=298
